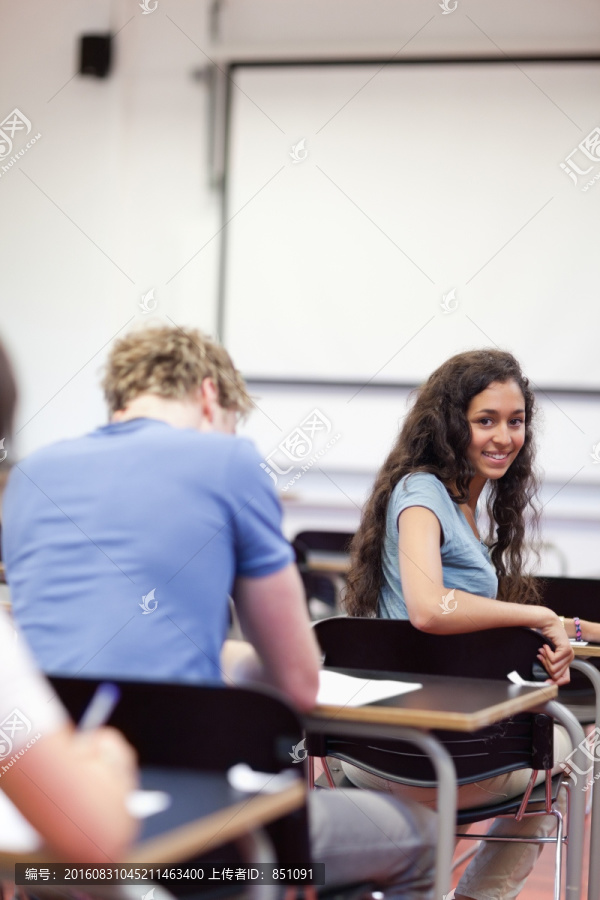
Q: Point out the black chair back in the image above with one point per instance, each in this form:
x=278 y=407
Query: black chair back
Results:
x=397 y=646
x=321 y=541
x=574 y=597
x=320 y=584
x=207 y=728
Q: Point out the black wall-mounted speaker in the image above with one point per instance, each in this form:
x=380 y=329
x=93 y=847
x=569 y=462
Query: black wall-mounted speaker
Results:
x=95 y=51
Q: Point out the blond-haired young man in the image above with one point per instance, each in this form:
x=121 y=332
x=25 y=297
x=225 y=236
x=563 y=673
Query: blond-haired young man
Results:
x=122 y=547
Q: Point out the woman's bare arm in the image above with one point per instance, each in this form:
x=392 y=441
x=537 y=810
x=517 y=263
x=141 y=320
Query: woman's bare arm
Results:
x=435 y=608
x=590 y=631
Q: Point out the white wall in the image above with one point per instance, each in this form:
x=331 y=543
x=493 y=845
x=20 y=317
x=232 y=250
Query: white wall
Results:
x=113 y=200
x=110 y=202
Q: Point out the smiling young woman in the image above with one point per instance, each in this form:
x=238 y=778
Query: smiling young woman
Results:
x=471 y=427
x=469 y=432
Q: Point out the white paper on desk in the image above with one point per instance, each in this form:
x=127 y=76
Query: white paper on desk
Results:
x=243 y=778
x=336 y=689
x=577 y=643
x=516 y=679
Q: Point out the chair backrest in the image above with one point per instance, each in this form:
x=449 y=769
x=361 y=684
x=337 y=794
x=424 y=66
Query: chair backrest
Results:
x=394 y=645
x=321 y=541
x=572 y=596
x=524 y=741
x=207 y=728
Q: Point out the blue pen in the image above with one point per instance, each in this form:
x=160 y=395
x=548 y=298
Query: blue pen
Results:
x=100 y=707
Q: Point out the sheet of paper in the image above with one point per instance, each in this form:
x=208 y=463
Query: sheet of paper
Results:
x=516 y=679
x=336 y=689
x=578 y=643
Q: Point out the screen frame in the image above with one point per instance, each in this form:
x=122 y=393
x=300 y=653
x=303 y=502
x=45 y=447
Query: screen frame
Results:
x=229 y=69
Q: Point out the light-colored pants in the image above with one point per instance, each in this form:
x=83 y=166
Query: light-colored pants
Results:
x=363 y=836
x=498 y=871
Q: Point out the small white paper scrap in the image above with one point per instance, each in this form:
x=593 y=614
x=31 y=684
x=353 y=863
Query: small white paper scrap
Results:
x=516 y=679
x=142 y=804
x=243 y=778
x=336 y=689
x=578 y=643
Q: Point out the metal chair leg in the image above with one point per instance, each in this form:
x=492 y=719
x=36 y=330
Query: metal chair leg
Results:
x=588 y=805
x=327 y=771
x=526 y=795
x=558 y=853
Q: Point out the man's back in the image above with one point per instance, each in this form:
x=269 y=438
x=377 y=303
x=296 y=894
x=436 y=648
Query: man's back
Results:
x=122 y=546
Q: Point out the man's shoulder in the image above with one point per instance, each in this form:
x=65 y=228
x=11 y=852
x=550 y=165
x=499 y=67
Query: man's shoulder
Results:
x=149 y=434
x=44 y=456
x=228 y=463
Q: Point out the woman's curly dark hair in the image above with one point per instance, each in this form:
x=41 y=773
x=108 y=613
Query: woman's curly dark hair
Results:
x=434 y=438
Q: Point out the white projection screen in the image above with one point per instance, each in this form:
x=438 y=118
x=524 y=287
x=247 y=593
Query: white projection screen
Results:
x=382 y=217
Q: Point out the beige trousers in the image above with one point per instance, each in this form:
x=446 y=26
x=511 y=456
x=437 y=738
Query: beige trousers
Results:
x=498 y=871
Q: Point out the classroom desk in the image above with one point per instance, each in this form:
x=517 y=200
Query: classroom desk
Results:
x=444 y=702
x=457 y=704
x=327 y=563
x=586 y=650
x=205 y=813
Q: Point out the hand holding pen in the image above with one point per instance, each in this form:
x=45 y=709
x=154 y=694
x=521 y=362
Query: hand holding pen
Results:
x=100 y=708
x=106 y=745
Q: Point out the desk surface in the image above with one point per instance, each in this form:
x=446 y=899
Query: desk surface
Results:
x=320 y=561
x=205 y=813
x=582 y=652
x=444 y=702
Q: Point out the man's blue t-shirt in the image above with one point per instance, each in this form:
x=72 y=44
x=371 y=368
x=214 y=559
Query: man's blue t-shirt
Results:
x=136 y=510
x=466 y=564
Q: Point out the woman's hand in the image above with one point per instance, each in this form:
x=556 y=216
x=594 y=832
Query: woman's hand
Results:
x=556 y=662
x=107 y=748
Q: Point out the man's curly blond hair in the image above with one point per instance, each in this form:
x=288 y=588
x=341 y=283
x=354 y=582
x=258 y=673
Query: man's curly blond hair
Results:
x=171 y=362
